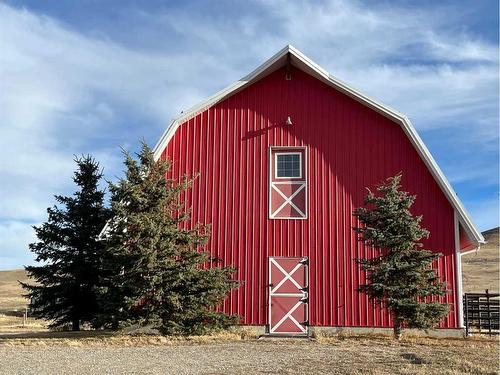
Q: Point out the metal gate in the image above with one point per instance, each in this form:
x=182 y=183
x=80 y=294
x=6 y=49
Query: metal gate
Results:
x=481 y=313
x=288 y=295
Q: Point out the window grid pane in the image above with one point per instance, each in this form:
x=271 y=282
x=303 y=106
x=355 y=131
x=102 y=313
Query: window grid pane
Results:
x=288 y=165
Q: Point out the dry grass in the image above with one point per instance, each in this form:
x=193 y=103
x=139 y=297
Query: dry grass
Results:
x=11 y=293
x=228 y=353
x=10 y=323
x=108 y=338
x=13 y=304
x=420 y=355
x=481 y=270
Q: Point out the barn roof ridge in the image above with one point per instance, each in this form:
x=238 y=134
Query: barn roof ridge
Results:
x=302 y=62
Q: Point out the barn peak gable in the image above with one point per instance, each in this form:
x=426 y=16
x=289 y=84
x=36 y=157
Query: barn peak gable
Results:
x=290 y=54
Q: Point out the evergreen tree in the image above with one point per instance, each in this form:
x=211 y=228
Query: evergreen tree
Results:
x=401 y=275
x=157 y=274
x=67 y=279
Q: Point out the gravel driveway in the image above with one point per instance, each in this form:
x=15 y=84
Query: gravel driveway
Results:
x=252 y=357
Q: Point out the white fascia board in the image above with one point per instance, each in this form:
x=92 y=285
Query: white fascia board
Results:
x=386 y=111
x=164 y=139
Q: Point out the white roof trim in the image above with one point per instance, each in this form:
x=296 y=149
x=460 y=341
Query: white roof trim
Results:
x=322 y=74
x=475 y=250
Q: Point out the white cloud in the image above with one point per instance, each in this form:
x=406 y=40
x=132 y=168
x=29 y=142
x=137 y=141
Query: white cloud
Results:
x=59 y=93
x=63 y=92
x=486 y=213
x=406 y=57
x=14 y=240
x=473 y=173
x=436 y=96
x=412 y=59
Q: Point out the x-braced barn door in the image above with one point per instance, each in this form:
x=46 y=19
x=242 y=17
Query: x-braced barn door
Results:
x=288 y=295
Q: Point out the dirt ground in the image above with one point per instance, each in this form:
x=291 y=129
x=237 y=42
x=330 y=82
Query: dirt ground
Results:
x=160 y=355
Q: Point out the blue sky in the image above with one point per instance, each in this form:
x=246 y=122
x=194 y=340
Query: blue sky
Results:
x=91 y=76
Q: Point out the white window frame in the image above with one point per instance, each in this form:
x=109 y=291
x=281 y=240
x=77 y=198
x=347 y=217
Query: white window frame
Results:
x=276 y=165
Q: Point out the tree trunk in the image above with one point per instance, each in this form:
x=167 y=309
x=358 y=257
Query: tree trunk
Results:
x=397 y=328
x=75 y=326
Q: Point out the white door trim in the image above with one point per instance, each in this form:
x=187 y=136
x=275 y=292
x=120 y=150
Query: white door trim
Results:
x=304 y=294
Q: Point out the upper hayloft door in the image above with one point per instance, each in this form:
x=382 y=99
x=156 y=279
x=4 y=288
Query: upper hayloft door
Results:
x=288 y=183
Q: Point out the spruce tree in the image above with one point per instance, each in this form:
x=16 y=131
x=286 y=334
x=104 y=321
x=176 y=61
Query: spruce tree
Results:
x=400 y=276
x=66 y=281
x=158 y=275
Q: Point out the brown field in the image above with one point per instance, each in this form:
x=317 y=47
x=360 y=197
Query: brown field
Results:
x=13 y=304
x=11 y=293
x=481 y=270
x=28 y=347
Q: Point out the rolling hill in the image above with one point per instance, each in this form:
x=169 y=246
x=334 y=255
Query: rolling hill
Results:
x=481 y=269
x=11 y=293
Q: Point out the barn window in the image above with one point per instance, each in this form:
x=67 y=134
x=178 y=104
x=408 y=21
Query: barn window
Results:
x=288 y=165
x=288 y=182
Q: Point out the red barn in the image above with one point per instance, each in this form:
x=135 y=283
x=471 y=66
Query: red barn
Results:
x=284 y=156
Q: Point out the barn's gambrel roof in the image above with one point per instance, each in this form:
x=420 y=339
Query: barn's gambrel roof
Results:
x=299 y=60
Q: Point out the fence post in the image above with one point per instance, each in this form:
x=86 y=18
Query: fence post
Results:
x=489 y=311
x=466 y=304
x=479 y=310
x=25 y=316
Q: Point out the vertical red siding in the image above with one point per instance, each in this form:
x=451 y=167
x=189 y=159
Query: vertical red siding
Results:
x=466 y=243
x=349 y=147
